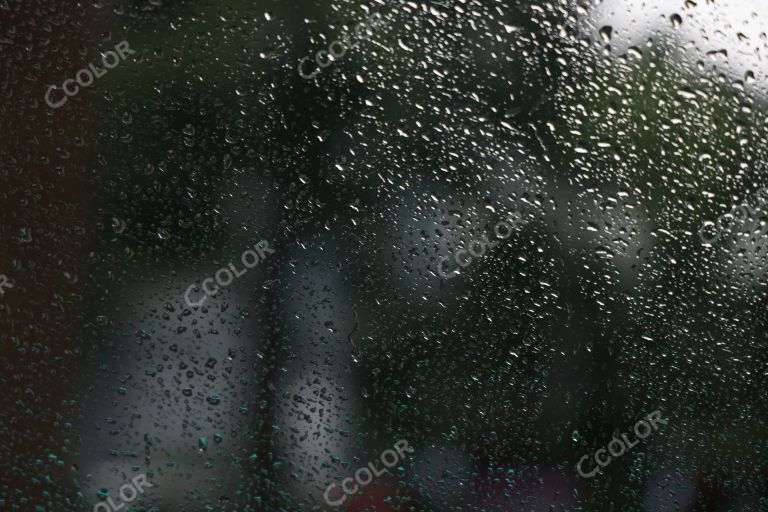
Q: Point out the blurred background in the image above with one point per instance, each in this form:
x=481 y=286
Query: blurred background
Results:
x=615 y=129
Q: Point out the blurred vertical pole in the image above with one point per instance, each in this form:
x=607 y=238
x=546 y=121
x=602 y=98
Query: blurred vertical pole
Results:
x=302 y=104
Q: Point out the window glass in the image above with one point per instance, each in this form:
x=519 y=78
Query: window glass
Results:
x=457 y=255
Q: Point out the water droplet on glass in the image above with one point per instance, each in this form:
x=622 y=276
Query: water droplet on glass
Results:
x=606 y=32
x=118 y=225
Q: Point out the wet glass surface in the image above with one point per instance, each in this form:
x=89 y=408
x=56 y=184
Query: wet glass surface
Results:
x=388 y=256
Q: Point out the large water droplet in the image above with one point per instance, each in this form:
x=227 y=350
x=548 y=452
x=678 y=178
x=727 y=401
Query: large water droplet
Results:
x=606 y=33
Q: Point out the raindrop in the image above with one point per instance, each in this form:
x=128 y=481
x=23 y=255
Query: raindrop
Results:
x=25 y=235
x=118 y=225
x=606 y=33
